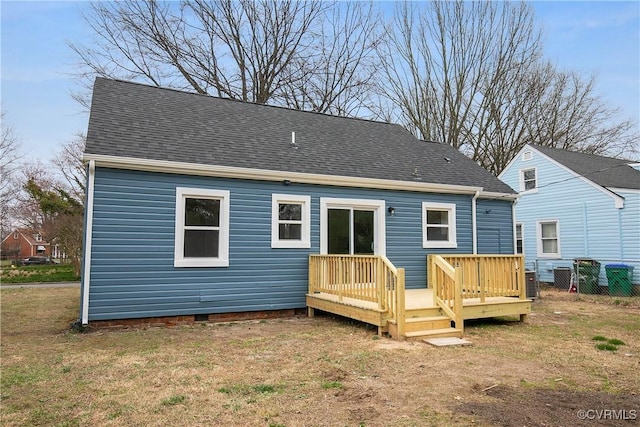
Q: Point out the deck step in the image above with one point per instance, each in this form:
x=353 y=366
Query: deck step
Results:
x=433 y=333
x=426 y=323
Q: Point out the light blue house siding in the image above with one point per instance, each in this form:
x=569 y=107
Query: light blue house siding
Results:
x=132 y=273
x=590 y=225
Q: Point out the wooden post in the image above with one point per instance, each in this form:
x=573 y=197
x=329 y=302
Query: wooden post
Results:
x=400 y=295
x=457 y=303
x=432 y=279
x=522 y=281
x=311 y=275
x=380 y=285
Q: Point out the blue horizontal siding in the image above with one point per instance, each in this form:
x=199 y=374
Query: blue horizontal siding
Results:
x=132 y=272
x=590 y=224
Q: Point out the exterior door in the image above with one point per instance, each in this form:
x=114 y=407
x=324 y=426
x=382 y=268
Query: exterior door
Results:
x=350 y=231
x=352 y=226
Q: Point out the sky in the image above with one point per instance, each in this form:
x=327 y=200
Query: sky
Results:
x=593 y=38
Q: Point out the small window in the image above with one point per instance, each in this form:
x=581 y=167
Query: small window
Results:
x=290 y=221
x=15 y=235
x=38 y=237
x=527 y=155
x=519 y=239
x=549 y=239
x=202 y=228
x=528 y=179
x=439 y=225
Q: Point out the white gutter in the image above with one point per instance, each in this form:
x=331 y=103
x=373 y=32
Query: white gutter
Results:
x=473 y=222
x=86 y=275
x=197 y=169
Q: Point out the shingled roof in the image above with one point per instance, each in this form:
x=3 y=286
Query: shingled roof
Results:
x=604 y=171
x=143 y=122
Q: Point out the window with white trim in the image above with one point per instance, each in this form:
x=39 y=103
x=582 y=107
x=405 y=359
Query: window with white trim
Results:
x=528 y=179
x=439 y=225
x=527 y=155
x=519 y=238
x=202 y=228
x=549 y=239
x=290 y=221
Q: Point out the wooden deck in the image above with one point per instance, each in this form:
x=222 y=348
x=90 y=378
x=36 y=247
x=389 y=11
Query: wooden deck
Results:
x=370 y=289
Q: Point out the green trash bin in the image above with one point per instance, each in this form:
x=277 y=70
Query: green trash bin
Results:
x=588 y=272
x=619 y=278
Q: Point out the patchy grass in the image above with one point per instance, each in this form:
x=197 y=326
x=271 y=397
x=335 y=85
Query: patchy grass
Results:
x=38 y=274
x=311 y=371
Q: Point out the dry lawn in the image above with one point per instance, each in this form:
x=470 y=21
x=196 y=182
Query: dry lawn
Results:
x=317 y=372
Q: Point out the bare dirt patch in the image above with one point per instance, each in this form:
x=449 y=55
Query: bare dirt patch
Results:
x=507 y=406
x=322 y=371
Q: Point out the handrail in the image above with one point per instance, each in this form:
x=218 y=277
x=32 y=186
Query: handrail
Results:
x=490 y=275
x=446 y=282
x=370 y=278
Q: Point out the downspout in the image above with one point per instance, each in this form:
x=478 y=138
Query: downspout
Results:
x=88 y=234
x=515 y=235
x=585 y=230
x=621 y=234
x=473 y=222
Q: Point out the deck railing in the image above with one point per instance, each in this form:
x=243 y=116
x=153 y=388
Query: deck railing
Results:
x=486 y=276
x=446 y=282
x=370 y=278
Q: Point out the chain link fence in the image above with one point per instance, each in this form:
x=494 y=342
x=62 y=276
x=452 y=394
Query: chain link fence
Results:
x=590 y=276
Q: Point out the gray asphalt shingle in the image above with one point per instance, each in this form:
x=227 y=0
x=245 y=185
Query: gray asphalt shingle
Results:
x=604 y=171
x=134 y=120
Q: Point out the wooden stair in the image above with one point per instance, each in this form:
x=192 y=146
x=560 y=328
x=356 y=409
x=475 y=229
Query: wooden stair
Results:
x=422 y=327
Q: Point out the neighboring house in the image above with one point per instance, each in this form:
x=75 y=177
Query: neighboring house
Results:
x=199 y=205
x=23 y=243
x=575 y=205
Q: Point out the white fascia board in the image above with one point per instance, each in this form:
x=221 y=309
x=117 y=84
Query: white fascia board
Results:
x=498 y=196
x=619 y=200
x=269 y=175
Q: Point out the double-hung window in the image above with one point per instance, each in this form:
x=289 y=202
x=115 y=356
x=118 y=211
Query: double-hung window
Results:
x=549 y=239
x=439 y=225
x=290 y=221
x=202 y=228
x=528 y=179
x=519 y=238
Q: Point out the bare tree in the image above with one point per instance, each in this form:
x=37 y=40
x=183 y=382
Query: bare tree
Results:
x=306 y=54
x=470 y=74
x=339 y=74
x=10 y=156
x=68 y=160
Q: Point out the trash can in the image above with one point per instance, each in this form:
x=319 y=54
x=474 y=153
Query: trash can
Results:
x=562 y=277
x=588 y=272
x=619 y=278
x=530 y=278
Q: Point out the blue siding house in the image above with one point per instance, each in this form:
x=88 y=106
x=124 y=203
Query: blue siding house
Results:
x=198 y=205
x=575 y=205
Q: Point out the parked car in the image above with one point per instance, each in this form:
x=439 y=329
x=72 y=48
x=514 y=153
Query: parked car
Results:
x=33 y=260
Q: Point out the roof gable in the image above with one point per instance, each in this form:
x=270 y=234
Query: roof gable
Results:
x=131 y=120
x=604 y=171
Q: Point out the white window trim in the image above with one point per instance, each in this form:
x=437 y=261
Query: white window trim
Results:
x=453 y=241
x=305 y=201
x=378 y=207
x=515 y=235
x=521 y=180
x=539 y=238
x=222 y=260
